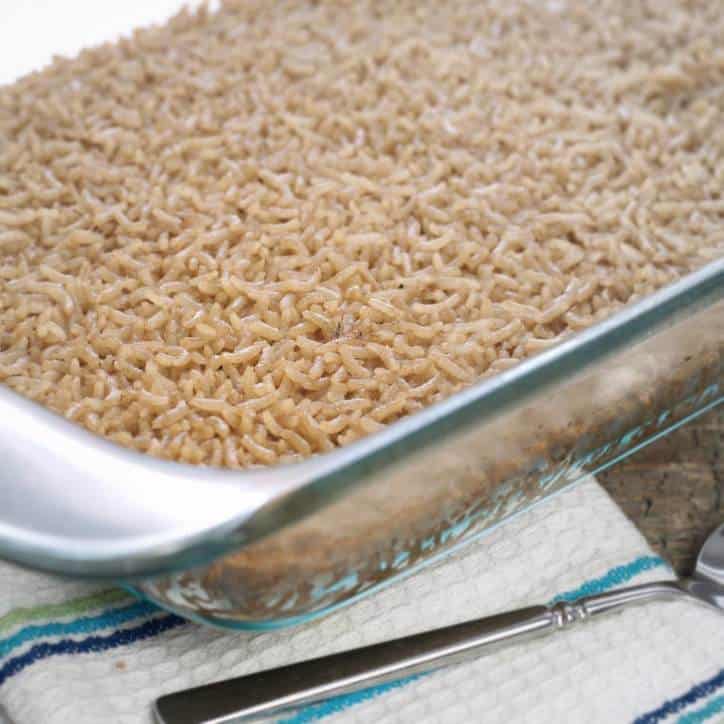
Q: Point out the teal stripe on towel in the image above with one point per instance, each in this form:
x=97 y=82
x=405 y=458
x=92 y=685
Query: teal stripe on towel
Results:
x=615 y=577
x=84 y=625
x=712 y=708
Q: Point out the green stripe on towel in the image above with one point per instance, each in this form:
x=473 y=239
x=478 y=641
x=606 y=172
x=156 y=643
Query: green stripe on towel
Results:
x=64 y=608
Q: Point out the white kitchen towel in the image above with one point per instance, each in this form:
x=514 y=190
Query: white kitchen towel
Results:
x=72 y=653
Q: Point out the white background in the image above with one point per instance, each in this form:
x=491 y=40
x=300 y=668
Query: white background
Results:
x=32 y=31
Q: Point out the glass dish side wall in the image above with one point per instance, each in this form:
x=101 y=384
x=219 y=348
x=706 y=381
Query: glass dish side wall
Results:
x=446 y=494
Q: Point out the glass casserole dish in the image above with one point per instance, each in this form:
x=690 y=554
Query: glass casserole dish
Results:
x=276 y=546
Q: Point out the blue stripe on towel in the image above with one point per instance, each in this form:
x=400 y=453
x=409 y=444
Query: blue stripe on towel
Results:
x=676 y=706
x=85 y=625
x=91 y=644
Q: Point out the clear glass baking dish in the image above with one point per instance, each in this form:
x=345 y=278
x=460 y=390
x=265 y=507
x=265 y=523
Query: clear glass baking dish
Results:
x=276 y=546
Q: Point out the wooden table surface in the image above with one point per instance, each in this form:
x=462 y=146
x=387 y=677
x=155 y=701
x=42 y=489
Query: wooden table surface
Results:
x=674 y=489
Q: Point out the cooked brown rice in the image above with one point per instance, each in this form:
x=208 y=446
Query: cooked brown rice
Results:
x=257 y=234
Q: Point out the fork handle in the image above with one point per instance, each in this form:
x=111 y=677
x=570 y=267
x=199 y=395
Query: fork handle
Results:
x=296 y=685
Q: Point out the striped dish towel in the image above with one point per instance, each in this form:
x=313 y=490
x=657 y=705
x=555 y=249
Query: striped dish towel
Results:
x=73 y=653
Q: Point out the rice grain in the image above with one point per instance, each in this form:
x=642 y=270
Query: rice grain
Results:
x=252 y=235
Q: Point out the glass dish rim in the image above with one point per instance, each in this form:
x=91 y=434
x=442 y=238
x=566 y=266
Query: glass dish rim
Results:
x=281 y=495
